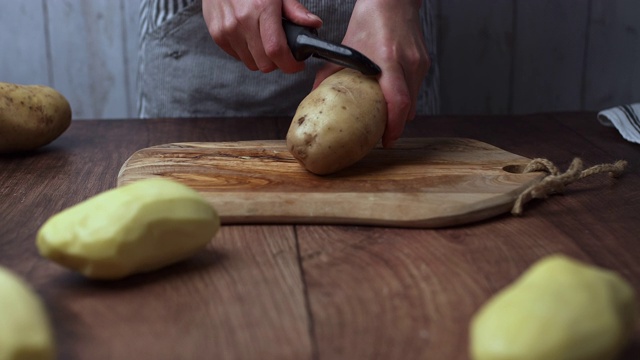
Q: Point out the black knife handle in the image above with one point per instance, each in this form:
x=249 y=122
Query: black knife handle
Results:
x=304 y=42
x=294 y=32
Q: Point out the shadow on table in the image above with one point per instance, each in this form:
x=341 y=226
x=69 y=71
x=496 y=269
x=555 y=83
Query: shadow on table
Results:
x=200 y=262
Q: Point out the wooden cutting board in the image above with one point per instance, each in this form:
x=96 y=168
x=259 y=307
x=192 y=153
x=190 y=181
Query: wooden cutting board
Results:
x=421 y=182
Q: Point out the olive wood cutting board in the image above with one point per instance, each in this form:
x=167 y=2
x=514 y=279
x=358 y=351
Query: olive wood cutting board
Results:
x=421 y=182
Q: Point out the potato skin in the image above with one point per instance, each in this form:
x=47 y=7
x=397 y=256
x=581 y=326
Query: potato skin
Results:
x=338 y=123
x=139 y=227
x=31 y=116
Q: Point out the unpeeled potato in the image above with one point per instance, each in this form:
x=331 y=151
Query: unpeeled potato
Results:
x=559 y=309
x=31 y=116
x=139 y=227
x=338 y=123
x=25 y=331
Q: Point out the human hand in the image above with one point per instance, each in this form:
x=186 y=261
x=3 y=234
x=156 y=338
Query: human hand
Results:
x=389 y=33
x=251 y=31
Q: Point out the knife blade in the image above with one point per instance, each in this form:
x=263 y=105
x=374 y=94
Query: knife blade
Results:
x=304 y=42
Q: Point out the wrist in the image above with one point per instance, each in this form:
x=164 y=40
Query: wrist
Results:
x=415 y=4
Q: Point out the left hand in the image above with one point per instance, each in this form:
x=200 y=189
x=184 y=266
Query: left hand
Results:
x=389 y=33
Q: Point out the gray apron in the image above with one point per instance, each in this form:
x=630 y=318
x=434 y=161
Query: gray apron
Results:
x=183 y=73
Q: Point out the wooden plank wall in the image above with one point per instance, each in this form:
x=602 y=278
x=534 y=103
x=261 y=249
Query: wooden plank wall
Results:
x=85 y=49
x=496 y=56
x=523 y=56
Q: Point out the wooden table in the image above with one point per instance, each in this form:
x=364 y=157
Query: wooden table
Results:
x=314 y=292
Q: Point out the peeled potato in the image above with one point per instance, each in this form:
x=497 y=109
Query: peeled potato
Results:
x=25 y=331
x=31 y=116
x=338 y=123
x=135 y=228
x=559 y=309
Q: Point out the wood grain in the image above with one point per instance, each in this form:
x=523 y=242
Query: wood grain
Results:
x=314 y=291
x=368 y=287
x=401 y=293
x=247 y=275
x=426 y=182
x=242 y=297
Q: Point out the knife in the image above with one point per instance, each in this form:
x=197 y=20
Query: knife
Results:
x=304 y=43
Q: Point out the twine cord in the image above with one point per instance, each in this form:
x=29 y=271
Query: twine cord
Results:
x=556 y=181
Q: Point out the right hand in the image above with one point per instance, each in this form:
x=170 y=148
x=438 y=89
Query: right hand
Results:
x=251 y=31
x=389 y=33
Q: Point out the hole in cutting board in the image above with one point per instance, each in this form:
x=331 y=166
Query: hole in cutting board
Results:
x=514 y=169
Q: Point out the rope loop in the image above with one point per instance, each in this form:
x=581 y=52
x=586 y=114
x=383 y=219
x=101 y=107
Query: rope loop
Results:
x=555 y=182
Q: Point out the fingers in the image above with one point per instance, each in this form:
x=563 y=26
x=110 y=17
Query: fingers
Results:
x=400 y=98
x=400 y=104
x=415 y=69
x=399 y=93
x=297 y=13
x=251 y=31
x=390 y=34
x=401 y=79
x=269 y=48
x=275 y=41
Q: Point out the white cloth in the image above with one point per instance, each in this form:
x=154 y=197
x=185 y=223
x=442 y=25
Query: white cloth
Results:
x=625 y=118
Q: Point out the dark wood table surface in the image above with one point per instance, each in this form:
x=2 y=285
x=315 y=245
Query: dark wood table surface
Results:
x=314 y=292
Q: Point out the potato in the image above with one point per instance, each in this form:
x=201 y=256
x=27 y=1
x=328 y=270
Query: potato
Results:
x=338 y=123
x=25 y=331
x=559 y=309
x=31 y=116
x=135 y=228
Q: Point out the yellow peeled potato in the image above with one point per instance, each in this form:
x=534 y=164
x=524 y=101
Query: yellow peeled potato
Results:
x=338 y=123
x=136 y=228
x=559 y=309
x=31 y=116
x=25 y=331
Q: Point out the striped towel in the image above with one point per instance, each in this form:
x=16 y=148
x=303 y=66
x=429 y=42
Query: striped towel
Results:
x=625 y=118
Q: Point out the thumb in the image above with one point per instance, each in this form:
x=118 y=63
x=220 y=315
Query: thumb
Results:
x=298 y=14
